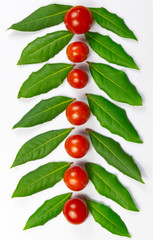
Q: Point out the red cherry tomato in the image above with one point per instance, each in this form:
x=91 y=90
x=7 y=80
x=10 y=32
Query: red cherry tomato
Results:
x=77 y=78
x=77 y=113
x=78 y=19
x=76 y=178
x=77 y=146
x=77 y=52
x=75 y=210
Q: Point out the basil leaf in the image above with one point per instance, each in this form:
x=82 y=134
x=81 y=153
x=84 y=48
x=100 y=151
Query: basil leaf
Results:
x=109 y=186
x=40 y=146
x=115 y=83
x=44 y=48
x=111 y=51
x=112 y=117
x=113 y=153
x=107 y=218
x=49 y=210
x=43 y=17
x=44 y=111
x=44 y=177
x=48 y=77
x=112 y=22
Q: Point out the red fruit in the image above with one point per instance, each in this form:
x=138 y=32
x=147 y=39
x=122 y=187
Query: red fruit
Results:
x=77 y=146
x=76 y=178
x=75 y=210
x=77 y=52
x=77 y=113
x=78 y=19
x=77 y=78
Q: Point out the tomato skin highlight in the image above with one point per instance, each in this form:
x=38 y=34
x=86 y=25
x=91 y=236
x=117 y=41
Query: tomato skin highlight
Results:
x=77 y=113
x=76 y=178
x=77 y=78
x=77 y=52
x=75 y=211
x=77 y=146
x=78 y=20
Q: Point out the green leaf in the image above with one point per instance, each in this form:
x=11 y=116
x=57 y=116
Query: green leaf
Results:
x=44 y=111
x=44 y=48
x=43 y=17
x=108 y=185
x=107 y=218
x=48 y=77
x=111 y=51
x=49 y=210
x=112 y=22
x=112 y=152
x=115 y=83
x=44 y=177
x=40 y=146
x=112 y=117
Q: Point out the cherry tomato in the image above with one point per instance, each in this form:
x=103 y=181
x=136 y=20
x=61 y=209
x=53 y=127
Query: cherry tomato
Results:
x=75 y=210
x=78 y=19
x=76 y=178
x=77 y=113
x=77 y=78
x=77 y=146
x=77 y=52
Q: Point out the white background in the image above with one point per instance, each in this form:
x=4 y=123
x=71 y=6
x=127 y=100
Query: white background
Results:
x=138 y=14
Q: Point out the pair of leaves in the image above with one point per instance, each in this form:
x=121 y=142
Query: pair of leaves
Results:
x=40 y=146
x=102 y=214
x=109 y=186
x=113 y=153
x=111 y=51
x=44 y=111
x=48 y=77
x=44 y=177
x=115 y=83
x=44 y=48
x=53 y=14
x=112 y=117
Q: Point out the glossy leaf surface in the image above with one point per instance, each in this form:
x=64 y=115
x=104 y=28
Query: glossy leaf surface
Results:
x=44 y=111
x=113 y=153
x=107 y=218
x=111 y=51
x=48 y=77
x=108 y=185
x=49 y=210
x=40 y=146
x=113 y=118
x=44 y=177
x=43 y=17
x=44 y=48
x=115 y=83
x=112 y=22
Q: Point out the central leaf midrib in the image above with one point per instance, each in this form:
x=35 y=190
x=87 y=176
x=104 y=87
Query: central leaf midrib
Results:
x=45 y=176
x=48 y=109
x=51 y=209
x=105 y=217
x=45 y=143
x=39 y=19
x=112 y=81
x=108 y=48
x=110 y=21
x=107 y=185
x=111 y=116
x=61 y=70
x=46 y=45
x=112 y=152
